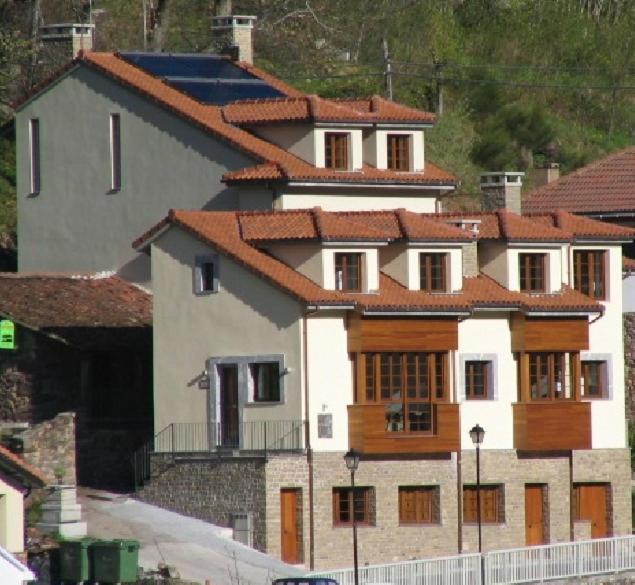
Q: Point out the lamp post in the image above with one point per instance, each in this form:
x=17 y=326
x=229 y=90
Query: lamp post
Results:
x=352 y=462
x=477 y=434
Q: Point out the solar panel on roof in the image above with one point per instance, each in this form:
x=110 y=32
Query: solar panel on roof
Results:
x=208 y=78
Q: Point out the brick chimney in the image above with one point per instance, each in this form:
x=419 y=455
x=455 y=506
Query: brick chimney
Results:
x=501 y=190
x=233 y=34
x=546 y=173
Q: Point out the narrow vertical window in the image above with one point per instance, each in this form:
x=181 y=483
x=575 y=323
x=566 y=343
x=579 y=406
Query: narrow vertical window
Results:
x=532 y=272
x=398 y=152
x=336 y=151
x=115 y=152
x=34 y=144
x=205 y=274
x=348 y=272
x=432 y=272
x=589 y=273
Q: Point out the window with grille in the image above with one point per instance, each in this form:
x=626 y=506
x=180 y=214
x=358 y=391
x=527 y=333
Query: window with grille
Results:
x=344 y=505
x=419 y=505
x=432 y=272
x=550 y=375
x=492 y=504
x=589 y=276
x=348 y=272
x=336 y=150
x=532 y=272
x=398 y=152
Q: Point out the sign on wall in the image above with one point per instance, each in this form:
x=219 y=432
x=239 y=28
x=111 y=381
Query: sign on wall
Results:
x=7 y=334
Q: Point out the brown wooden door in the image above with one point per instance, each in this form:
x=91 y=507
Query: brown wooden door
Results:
x=534 y=515
x=591 y=505
x=289 y=499
x=229 y=405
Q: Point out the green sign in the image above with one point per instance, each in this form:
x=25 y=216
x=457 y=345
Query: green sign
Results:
x=7 y=335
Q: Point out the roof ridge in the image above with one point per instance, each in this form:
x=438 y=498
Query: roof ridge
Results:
x=400 y=215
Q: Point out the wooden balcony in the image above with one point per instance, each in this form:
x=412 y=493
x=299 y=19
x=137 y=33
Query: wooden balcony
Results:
x=367 y=432
x=552 y=425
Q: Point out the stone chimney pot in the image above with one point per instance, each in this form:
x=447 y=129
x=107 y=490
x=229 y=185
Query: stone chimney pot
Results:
x=502 y=190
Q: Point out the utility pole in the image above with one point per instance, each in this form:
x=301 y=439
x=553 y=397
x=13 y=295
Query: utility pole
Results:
x=438 y=86
x=387 y=70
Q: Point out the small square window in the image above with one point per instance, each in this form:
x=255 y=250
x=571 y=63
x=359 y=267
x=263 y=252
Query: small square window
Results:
x=206 y=275
x=419 y=505
x=266 y=381
x=594 y=379
x=348 y=272
x=492 y=504
x=344 y=506
x=478 y=380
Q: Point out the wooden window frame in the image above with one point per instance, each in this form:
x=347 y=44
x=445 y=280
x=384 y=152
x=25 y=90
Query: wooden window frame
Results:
x=532 y=272
x=433 y=268
x=547 y=364
x=602 y=391
x=342 y=496
x=492 y=504
x=336 y=150
x=398 y=147
x=272 y=392
x=589 y=273
x=403 y=385
x=342 y=262
x=35 y=178
x=115 y=152
x=471 y=377
x=425 y=509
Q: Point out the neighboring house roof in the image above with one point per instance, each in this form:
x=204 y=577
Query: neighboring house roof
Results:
x=236 y=234
x=312 y=108
x=51 y=301
x=17 y=468
x=606 y=185
x=272 y=163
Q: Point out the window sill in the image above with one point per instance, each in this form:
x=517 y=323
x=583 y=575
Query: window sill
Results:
x=420 y=524
x=263 y=403
x=349 y=525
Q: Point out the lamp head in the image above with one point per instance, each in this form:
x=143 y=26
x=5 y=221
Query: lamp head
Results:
x=477 y=434
x=352 y=460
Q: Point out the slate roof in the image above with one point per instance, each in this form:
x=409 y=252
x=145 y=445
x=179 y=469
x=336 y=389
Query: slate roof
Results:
x=606 y=185
x=15 y=466
x=237 y=234
x=49 y=301
x=271 y=163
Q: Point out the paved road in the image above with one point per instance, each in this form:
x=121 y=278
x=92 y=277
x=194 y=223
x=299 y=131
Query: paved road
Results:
x=200 y=551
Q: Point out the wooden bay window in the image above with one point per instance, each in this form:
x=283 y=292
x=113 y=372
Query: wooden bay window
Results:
x=549 y=376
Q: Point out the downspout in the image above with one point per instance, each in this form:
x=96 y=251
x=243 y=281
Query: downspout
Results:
x=459 y=487
x=307 y=437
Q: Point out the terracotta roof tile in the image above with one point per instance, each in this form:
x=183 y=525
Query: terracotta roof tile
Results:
x=386 y=110
x=45 y=301
x=32 y=475
x=583 y=227
x=606 y=185
x=568 y=300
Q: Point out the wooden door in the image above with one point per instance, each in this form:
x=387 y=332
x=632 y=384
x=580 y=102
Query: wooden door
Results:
x=534 y=515
x=590 y=501
x=289 y=526
x=229 y=405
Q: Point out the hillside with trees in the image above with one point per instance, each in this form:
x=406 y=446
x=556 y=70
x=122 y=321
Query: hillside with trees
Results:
x=514 y=82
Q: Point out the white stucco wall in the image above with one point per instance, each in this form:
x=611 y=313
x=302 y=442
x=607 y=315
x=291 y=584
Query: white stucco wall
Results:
x=305 y=258
x=360 y=200
x=330 y=378
x=247 y=317
x=481 y=337
x=628 y=294
x=11 y=518
x=492 y=260
x=298 y=139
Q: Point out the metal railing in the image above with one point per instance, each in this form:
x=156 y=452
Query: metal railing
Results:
x=198 y=438
x=519 y=565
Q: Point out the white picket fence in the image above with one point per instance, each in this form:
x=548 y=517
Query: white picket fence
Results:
x=502 y=567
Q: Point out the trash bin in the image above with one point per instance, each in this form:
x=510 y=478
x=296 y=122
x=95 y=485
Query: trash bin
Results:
x=75 y=562
x=115 y=561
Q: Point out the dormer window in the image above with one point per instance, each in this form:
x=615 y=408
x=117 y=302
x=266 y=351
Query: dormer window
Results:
x=398 y=155
x=348 y=272
x=336 y=150
x=433 y=272
x=589 y=273
x=532 y=272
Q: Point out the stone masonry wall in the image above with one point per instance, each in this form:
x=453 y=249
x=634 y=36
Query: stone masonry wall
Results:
x=50 y=446
x=629 y=363
x=210 y=489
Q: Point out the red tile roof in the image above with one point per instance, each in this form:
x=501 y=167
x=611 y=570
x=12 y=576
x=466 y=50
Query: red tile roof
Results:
x=29 y=474
x=316 y=109
x=45 y=301
x=271 y=161
x=236 y=234
x=606 y=185
x=584 y=227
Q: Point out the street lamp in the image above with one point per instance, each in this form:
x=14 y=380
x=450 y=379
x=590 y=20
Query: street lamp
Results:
x=352 y=463
x=477 y=434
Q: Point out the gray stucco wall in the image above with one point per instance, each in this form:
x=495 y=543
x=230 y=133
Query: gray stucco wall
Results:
x=76 y=222
x=246 y=317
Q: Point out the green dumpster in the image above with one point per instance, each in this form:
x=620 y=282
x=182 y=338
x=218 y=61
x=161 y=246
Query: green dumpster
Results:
x=115 y=561
x=75 y=562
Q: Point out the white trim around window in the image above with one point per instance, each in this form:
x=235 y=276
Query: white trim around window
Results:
x=492 y=358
